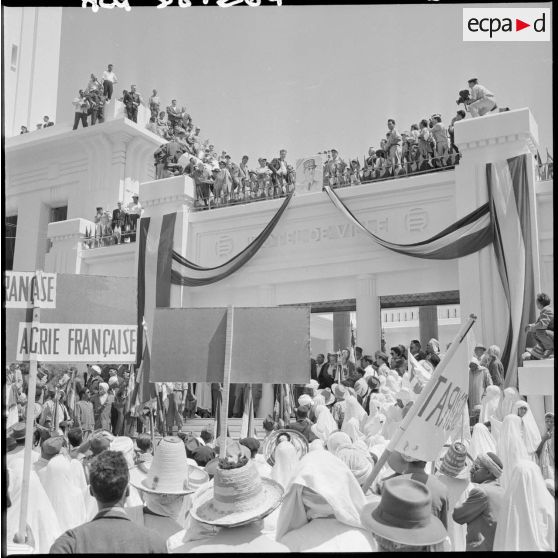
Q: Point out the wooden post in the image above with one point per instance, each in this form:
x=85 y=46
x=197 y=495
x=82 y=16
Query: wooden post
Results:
x=418 y=403
x=227 y=381
x=29 y=420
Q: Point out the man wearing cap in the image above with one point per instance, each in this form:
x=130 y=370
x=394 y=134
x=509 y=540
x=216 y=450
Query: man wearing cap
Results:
x=415 y=470
x=94 y=379
x=481 y=100
x=481 y=509
x=134 y=210
x=401 y=521
x=111 y=530
x=49 y=449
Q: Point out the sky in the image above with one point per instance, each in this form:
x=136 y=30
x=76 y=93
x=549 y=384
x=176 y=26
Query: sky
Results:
x=304 y=78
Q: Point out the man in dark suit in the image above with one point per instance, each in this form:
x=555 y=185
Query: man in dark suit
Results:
x=118 y=222
x=132 y=101
x=303 y=424
x=111 y=531
x=279 y=167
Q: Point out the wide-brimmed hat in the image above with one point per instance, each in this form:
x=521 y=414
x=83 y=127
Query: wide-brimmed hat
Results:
x=238 y=496
x=340 y=392
x=18 y=431
x=404 y=514
x=455 y=462
x=298 y=440
x=168 y=473
x=11 y=444
x=329 y=398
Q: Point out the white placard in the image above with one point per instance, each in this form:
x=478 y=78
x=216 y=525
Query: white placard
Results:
x=309 y=175
x=22 y=288
x=78 y=342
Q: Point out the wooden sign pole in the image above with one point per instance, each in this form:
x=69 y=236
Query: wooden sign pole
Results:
x=227 y=381
x=418 y=403
x=29 y=420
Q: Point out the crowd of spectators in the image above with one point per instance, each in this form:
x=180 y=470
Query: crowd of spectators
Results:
x=118 y=226
x=46 y=123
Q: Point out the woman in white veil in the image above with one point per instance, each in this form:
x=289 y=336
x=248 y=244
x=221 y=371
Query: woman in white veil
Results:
x=507 y=401
x=529 y=429
x=482 y=441
x=511 y=448
x=489 y=403
x=325 y=423
x=526 y=520
x=354 y=410
x=66 y=498
x=286 y=461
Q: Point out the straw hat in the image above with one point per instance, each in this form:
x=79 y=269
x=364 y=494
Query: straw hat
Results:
x=456 y=462
x=238 y=496
x=168 y=473
x=298 y=440
x=404 y=514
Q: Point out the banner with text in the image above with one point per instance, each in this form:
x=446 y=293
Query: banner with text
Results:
x=78 y=342
x=22 y=289
x=440 y=410
x=81 y=301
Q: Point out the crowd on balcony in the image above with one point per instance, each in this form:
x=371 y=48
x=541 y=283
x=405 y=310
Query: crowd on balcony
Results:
x=46 y=123
x=491 y=487
x=118 y=226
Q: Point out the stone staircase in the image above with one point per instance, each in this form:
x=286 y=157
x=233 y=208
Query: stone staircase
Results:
x=196 y=425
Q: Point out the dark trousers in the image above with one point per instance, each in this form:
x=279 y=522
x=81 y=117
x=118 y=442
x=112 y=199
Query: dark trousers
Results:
x=133 y=226
x=80 y=116
x=97 y=116
x=132 y=113
x=107 y=89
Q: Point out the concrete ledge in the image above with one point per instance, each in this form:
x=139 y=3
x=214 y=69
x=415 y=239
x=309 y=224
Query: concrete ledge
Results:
x=72 y=228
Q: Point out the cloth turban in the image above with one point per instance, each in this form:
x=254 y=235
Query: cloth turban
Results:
x=486 y=461
x=357 y=461
x=305 y=399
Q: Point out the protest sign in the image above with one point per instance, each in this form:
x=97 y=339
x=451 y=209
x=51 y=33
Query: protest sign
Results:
x=270 y=345
x=77 y=342
x=81 y=301
x=22 y=288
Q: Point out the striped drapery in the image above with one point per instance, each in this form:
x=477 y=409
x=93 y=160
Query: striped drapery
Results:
x=508 y=194
x=189 y=274
x=466 y=236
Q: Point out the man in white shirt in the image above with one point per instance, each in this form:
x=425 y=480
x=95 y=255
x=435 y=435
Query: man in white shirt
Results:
x=134 y=211
x=81 y=105
x=482 y=100
x=109 y=81
x=366 y=363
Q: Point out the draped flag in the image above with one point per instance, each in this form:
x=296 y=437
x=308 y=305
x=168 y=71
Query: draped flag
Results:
x=466 y=236
x=186 y=273
x=508 y=193
x=154 y=267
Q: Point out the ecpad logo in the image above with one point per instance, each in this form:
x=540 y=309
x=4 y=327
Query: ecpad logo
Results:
x=506 y=24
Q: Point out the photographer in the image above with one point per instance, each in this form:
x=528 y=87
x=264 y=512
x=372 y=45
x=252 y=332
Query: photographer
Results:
x=482 y=100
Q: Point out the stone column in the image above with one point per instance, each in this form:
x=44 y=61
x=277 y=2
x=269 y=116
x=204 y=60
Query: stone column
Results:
x=368 y=318
x=428 y=324
x=31 y=240
x=341 y=330
x=485 y=140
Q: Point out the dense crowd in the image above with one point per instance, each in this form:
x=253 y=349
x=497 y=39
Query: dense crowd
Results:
x=46 y=123
x=490 y=488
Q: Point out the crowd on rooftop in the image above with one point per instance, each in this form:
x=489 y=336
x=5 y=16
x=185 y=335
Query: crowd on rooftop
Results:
x=95 y=489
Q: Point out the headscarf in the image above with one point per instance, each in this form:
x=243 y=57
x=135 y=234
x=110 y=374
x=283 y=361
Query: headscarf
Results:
x=318 y=400
x=435 y=345
x=66 y=499
x=351 y=427
x=394 y=416
x=103 y=395
x=325 y=423
x=361 y=387
x=327 y=476
x=353 y=409
x=374 y=424
x=286 y=461
x=505 y=406
x=392 y=385
x=487 y=461
x=489 y=403
x=41 y=516
x=316 y=445
x=337 y=439
x=526 y=520
x=511 y=447
x=481 y=441
x=529 y=428
x=305 y=399
x=358 y=462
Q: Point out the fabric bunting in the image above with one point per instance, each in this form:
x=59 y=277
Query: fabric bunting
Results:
x=508 y=192
x=466 y=236
x=189 y=274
